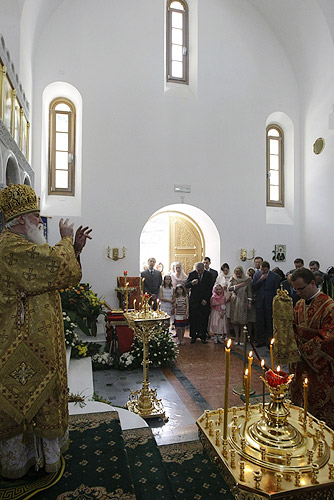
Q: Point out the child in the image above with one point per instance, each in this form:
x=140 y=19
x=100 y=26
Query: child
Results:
x=217 y=319
x=181 y=312
x=167 y=295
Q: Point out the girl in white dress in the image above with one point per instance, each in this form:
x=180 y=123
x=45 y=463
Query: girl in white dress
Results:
x=223 y=280
x=167 y=295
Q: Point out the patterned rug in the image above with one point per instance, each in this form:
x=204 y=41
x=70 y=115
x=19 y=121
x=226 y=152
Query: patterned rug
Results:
x=192 y=474
x=22 y=489
x=177 y=471
x=105 y=463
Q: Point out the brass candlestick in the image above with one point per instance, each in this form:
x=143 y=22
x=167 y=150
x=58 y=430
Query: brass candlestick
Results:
x=146 y=323
x=275 y=455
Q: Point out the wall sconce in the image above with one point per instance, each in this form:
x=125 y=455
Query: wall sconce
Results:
x=243 y=255
x=115 y=253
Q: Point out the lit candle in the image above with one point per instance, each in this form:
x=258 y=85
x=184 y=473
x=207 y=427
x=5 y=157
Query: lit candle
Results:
x=263 y=376
x=134 y=304
x=250 y=361
x=139 y=306
x=305 y=386
x=127 y=296
x=247 y=391
x=272 y=354
x=158 y=305
x=278 y=369
x=227 y=383
x=143 y=289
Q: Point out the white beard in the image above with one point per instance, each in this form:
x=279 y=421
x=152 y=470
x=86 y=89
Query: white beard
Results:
x=35 y=234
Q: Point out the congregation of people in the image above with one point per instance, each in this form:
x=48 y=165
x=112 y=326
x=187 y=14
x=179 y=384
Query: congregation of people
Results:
x=220 y=305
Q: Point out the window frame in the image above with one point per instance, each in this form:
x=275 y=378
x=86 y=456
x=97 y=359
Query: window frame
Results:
x=185 y=58
x=52 y=189
x=280 y=202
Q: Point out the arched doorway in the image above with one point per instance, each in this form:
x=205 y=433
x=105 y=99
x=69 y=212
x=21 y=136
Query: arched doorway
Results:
x=179 y=233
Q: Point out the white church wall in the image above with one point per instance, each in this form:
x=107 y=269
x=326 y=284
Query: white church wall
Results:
x=10 y=28
x=318 y=172
x=138 y=141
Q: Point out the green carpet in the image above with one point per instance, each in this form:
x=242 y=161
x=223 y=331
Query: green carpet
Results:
x=105 y=463
x=147 y=469
x=191 y=473
x=96 y=461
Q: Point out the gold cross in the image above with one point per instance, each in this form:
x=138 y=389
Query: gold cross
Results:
x=33 y=253
x=8 y=281
x=30 y=275
x=10 y=259
x=23 y=373
x=52 y=267
x=44 y=328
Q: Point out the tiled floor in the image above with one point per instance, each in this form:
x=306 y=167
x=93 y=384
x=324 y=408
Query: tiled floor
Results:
x=195 y=383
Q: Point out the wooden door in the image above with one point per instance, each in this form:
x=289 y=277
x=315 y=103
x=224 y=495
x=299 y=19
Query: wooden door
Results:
x=186 y=242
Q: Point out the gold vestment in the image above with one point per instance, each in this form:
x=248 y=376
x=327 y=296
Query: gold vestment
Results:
x=33 y=378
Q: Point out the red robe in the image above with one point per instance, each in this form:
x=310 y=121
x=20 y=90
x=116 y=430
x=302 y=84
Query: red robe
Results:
x=314 y=325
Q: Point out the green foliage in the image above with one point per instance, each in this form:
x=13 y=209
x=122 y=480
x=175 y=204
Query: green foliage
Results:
x=162 y=351
x=83 y=307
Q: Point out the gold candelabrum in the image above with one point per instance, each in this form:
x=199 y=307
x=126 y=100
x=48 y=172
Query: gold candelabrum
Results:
x=276 y=451
x=146 y=323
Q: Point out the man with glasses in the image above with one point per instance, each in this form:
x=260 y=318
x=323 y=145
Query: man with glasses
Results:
x=314 y=328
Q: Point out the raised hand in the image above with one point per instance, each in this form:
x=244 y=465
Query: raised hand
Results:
x=81 y=236
x=65 y=228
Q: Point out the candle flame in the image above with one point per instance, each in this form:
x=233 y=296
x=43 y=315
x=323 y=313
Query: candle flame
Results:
x=250 y=355
x=278 y=368
x=272 y=341
x=127 y=284
x=262 y=363
x=229 y=342
x=246 y=372
x=306 y=381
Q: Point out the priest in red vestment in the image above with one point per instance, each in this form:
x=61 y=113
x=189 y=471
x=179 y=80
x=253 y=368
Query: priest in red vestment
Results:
x=314 y=327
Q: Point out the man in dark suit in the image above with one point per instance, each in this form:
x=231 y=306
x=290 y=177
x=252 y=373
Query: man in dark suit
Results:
x=266 y=284
x=153 y=280
x=200 y=284
x=288 y=286
x=207 y=262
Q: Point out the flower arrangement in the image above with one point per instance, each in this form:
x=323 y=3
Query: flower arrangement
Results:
x=84 y=349
x=83 y=307
x=162 y=351
x=71 y=337
x=79 y=351
x=101 y=361
x=76 y=399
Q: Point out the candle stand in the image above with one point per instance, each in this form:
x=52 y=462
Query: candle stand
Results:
x=273 y=453
x=241 y=389
x=146 y=323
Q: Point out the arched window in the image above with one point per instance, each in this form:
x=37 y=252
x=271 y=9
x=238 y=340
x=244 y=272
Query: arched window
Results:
x=177 y=41
x=61 y=147
x=275 y=166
